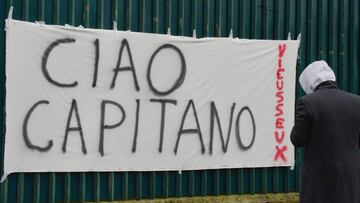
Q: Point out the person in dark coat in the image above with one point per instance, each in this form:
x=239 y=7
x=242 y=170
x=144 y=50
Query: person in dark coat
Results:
x=327 y=125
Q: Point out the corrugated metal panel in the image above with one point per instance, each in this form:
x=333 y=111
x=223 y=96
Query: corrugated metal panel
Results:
x=330 y=31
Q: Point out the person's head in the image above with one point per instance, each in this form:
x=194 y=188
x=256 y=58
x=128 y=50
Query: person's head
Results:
x=314 y=74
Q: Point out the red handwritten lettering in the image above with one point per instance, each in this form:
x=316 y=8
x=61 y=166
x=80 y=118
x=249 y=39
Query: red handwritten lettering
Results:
x=279 y=139
x=280 y=96
x=279 y=112
x=280 y=123
x=282 y=48
x=279 y=84
x=280 y=153
x=279 y=72
x=279 y=62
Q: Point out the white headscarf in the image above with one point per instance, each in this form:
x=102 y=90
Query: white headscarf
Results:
x=314 y=74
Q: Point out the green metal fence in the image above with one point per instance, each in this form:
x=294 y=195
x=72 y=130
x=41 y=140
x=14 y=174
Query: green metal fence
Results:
x=330 y=31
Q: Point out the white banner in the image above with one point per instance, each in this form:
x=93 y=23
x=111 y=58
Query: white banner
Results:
x=103 y=100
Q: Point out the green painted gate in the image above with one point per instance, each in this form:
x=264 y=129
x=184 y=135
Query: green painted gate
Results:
x=330 y=31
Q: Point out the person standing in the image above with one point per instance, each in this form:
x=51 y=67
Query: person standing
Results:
x=327 y=125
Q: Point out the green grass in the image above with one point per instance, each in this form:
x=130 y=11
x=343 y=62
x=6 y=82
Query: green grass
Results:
x=259 y=198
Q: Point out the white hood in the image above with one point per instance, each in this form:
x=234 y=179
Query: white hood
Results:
x=314 y=74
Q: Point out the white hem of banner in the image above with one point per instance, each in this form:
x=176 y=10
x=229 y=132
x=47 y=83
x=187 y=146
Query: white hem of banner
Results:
x=4 y=176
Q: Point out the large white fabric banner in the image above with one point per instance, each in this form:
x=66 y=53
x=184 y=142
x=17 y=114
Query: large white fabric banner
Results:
x=103 y=100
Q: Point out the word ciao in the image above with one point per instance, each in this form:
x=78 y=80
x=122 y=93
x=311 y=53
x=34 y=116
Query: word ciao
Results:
x=124 y=45
x=163 y=102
